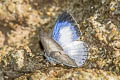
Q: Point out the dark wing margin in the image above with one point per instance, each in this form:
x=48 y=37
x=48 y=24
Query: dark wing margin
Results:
x=65 y=16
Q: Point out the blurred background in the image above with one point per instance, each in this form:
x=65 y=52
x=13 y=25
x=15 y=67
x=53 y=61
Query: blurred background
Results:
x=21 y=57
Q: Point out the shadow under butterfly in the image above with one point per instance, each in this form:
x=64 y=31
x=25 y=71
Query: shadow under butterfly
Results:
x=64 y=47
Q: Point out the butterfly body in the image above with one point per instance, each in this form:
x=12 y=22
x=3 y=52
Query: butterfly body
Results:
x=65 y=40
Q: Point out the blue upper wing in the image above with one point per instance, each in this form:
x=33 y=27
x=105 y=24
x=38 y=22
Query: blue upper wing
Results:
x=65 y=25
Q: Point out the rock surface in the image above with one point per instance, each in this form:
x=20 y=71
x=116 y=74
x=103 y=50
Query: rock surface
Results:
x=21 y=57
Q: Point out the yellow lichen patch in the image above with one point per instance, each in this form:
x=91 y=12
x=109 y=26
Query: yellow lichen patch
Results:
x=112 y=5
x=52 y=10
x=113 y=33
x=11 y=7
x=116 y=53
x=2 y=39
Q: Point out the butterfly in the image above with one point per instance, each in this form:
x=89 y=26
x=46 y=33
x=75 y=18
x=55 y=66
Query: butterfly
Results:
x=64 y=46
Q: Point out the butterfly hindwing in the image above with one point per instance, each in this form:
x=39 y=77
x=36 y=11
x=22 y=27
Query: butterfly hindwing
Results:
x=78 y=51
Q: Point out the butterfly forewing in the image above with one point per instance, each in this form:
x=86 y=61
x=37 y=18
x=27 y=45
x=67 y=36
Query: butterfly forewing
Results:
x=65 y=29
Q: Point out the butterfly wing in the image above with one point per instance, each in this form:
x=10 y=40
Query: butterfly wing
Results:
x=66 y=33
x=65 y=30
x=78 y=51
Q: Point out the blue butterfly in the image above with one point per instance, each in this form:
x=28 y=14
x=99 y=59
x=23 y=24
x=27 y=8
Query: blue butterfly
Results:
x=64 y=46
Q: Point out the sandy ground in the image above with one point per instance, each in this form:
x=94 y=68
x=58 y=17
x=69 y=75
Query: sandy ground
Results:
x=21 y=57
